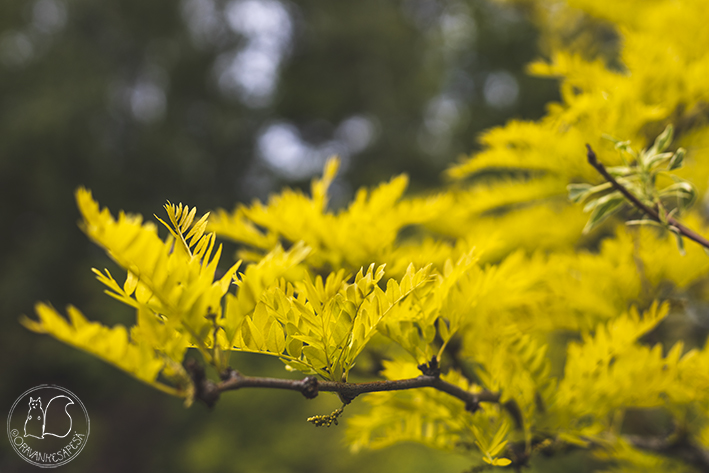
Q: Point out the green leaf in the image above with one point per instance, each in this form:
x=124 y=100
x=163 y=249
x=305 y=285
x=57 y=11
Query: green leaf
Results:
x=662 y=213
x=499 y=440
x=315 y=356
x=444 y=330
x=276 y=341
x=294 y=347
x=617 y=171
x=480 y=439
x=610 y=138
x=603 y=208
x=663 y=141
x=622 y=146
x=683 y=191
x=655 y=160
x=294 y=365
x=677 y=159
x=645 y=221
x=428 y=332
x=253 y=338
x=578 y=192
x=678 y=237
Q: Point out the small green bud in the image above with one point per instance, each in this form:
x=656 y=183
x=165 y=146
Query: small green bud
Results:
x=663 y=141
x=677 y=159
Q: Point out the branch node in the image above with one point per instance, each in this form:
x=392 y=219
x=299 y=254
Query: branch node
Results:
x=228 y=373
x=431 y=368
x=346 y=398
x=205 y=390
x=472 y=406
x=309 y=387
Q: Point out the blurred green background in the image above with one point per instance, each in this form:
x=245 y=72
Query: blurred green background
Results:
x=212 y=102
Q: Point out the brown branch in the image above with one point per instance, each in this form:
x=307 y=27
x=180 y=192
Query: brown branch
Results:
x=687 y=232
x=310 y=387
x=209 y=392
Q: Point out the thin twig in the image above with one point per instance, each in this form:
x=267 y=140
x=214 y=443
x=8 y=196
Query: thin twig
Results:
x=687 y=232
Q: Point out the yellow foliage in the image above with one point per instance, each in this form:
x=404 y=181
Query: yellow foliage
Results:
x=321 y=327
x=111 y=344
x=364 y=232
x=492 y=277
x=174 y=284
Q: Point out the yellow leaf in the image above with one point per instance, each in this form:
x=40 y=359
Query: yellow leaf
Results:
x=276 y=341
x=315 y=356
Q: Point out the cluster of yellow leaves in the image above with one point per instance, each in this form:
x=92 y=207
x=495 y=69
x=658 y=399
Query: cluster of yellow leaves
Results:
x=602 y=369
x=429 y=417
x=171 y=286
x=363 y=233
x=109 y=344
x=320 y=327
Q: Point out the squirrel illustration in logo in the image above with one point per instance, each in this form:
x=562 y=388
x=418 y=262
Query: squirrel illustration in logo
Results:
x=36 y=423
